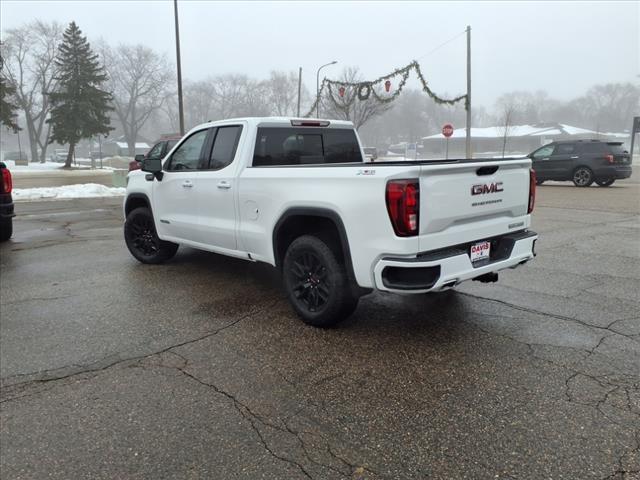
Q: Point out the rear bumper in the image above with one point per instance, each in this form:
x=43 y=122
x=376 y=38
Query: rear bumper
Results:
x=614 y=171
x=442 y=269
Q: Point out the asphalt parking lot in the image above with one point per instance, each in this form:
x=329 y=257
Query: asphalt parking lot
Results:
x=199 y=369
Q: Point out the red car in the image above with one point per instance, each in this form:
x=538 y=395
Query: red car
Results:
x=159 y=150
x=6 y=203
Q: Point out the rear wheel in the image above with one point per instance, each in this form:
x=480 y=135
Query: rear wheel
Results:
x=317 y=283
x=142 y=240
x=6 y=229
x=605 y=182
x=582 y=177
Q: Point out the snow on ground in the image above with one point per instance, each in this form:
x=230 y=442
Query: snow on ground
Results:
x=85 y=190
x=82 y=163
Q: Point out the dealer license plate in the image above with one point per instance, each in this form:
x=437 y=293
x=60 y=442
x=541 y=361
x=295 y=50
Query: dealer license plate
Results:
x=480 y=251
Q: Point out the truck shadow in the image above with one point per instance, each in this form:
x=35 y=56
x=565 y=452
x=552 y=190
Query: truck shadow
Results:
x=249 y=286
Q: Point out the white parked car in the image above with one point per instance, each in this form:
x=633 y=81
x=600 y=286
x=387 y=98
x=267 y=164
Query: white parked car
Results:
x=297 y=195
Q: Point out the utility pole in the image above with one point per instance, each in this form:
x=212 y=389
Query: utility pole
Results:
x=299 y=89
x=468 y=99
x=180 y=106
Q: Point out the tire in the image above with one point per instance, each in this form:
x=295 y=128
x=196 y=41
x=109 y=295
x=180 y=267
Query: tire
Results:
x=539 y=182
x=142 y=240
x=317 y=283
x=6 y=229
x=582 y=177
x=605 y=182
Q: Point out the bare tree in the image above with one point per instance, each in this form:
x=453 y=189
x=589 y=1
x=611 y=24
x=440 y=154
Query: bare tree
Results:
x=349 y=107
x=29 y=54
x=507 y=126
x=138 y=79
x=282 y=91
x=199 y=102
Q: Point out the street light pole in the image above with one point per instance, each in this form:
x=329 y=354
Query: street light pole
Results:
x=318 y=87
x=180 y=107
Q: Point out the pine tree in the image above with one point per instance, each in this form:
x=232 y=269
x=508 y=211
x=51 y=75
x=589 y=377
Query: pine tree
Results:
x=7 y=109
x=79 y=106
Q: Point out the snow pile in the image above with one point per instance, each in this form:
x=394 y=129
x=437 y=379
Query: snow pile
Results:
x=11 y=165
x=86 y=190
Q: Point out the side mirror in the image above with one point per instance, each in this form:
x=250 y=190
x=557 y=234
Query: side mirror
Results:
x=139 y=158
x=153 y=166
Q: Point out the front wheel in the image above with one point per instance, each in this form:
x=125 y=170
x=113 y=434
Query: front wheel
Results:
x=316 y=283
x=605 y=182
x=582 y=177
x=142 y=239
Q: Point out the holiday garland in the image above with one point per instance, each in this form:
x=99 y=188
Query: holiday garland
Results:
x=364 y=90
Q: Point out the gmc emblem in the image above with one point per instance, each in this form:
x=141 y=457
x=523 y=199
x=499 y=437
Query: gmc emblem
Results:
x=482 y=188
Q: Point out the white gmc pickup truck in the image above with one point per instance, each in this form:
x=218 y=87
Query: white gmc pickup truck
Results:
x=297 y=194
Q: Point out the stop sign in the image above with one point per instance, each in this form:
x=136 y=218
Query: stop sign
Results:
x=447 y=130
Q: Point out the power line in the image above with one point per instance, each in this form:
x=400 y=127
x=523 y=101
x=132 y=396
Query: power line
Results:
x=442 y=45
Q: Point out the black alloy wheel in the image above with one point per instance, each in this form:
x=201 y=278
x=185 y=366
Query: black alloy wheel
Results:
x=142 y=239
x=310 y=282
x=316 y=282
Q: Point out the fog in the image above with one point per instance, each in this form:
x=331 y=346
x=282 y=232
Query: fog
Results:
x=561 y=47
x=533 y=63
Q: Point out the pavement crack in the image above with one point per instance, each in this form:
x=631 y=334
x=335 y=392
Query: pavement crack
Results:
x=101 y=365
x=549 y=314
x=251 y=417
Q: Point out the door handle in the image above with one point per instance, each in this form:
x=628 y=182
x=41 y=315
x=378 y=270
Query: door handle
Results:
x=574 y=157
x=187 y=184
x=545 y=158
x=224 y=185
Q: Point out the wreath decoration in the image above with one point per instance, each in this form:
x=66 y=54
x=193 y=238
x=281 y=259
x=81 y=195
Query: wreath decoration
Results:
x=364 y=91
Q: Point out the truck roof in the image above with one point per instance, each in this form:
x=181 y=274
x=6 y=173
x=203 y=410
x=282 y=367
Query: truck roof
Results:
x=278 y=121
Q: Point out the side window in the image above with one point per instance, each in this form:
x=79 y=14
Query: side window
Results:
x=595 y=147
x=156 y=151
x=187 y=156
x=543 y=152
x=224 y=147
x=564 y=149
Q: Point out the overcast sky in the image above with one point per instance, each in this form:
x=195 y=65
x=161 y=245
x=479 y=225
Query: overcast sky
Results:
x=563 y=48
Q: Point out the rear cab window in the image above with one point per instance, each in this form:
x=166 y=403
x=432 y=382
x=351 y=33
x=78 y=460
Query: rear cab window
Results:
x=305 y=146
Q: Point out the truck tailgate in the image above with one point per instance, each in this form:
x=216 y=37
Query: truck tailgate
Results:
x=470 y=201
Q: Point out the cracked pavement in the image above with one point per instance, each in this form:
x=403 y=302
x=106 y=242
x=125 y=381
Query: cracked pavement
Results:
x=199 y=369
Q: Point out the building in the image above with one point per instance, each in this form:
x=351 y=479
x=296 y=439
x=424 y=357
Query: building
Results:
x=113 y=147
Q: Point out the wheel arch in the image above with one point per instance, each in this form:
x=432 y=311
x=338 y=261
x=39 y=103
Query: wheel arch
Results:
x=298 y=221
x=136 y=200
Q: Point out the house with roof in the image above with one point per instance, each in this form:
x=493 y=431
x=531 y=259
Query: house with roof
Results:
x=119 y=147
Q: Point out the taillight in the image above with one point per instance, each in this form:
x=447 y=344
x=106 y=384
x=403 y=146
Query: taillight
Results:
x=609 y=158
x=403 y=205
x=532 y=190
x=7 y=183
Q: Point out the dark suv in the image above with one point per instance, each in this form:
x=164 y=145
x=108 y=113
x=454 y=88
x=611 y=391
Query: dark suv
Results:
x=582 y=161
